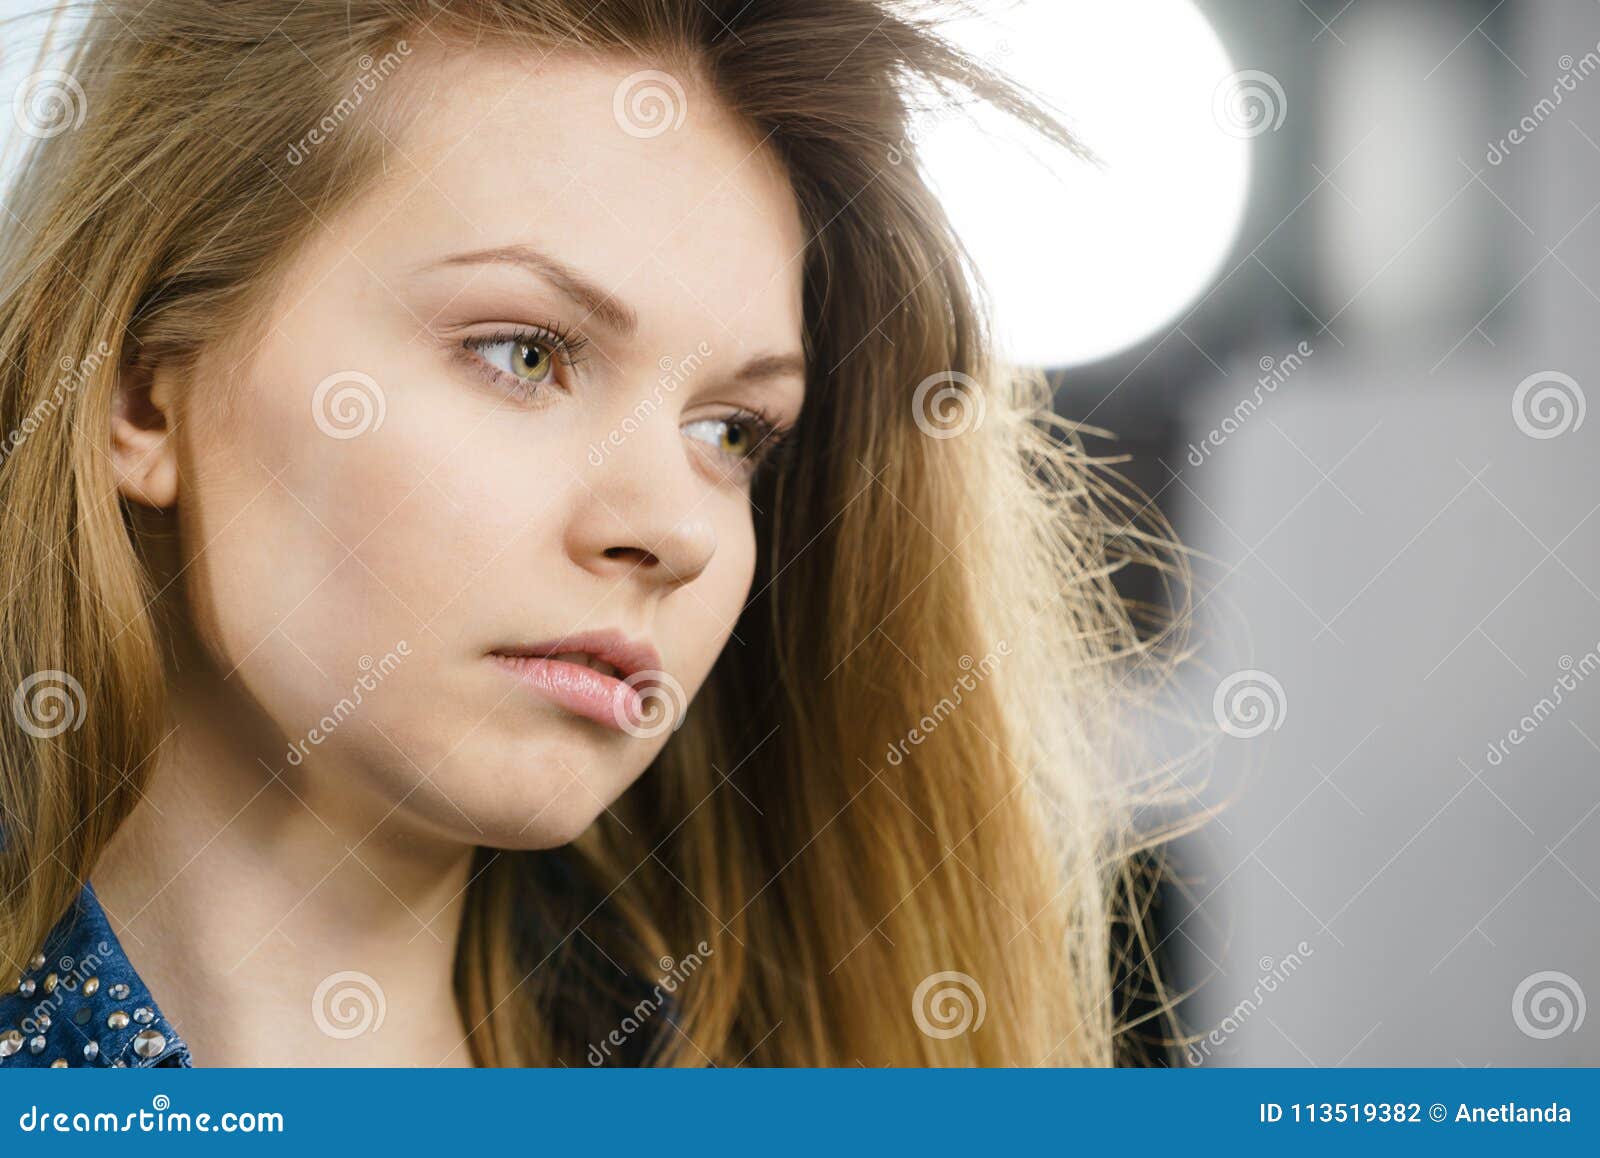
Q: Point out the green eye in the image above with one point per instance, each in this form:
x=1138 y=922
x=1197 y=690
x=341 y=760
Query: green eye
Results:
x=744 y=438
x=526 y=357
x=736 y=439
x=731 y=437
x=531 y=361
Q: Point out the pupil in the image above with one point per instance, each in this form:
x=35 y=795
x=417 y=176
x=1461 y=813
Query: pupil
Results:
x=523 y=355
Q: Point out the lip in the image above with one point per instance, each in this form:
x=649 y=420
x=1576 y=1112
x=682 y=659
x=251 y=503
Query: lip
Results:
x=607 y=700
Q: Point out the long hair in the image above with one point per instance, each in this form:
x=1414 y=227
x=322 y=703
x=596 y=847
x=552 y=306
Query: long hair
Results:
x=893 y=828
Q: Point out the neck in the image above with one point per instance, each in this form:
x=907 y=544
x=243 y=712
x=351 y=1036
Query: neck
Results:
x=275 y=911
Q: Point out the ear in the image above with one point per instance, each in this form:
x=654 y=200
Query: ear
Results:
x=142 y=450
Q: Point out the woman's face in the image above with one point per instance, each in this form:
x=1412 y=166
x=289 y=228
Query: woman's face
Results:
x=411 y=485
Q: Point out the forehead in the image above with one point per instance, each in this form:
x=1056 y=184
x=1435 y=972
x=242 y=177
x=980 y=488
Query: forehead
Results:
x=696 y=226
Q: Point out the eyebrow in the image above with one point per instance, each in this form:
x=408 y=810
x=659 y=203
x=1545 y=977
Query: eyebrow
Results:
x=569 y=281
x=616 y=315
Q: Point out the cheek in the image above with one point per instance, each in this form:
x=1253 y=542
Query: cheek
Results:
x=738 y=546
x=708 y=608
x=306 y=551
x=440 y=526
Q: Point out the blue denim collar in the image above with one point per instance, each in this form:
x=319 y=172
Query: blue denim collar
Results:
x=81 y=1002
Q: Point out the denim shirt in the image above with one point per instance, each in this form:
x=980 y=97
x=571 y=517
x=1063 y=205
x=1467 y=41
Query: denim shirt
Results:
x=81 y=1003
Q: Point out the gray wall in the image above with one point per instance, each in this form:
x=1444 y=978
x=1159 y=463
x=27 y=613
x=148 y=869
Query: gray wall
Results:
x=1414 y=569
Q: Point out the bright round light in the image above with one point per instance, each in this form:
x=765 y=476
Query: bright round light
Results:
x=1082 y=261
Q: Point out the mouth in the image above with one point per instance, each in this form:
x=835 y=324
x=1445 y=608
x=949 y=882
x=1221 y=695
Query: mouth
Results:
x=596 y=676
x=581 y=657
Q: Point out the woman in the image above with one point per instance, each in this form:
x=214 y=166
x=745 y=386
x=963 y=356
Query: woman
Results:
x=519 y=552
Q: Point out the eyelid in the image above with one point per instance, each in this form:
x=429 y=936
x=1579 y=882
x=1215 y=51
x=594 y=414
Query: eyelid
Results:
x=565 y=344
x=562 y=339
x=771 y=438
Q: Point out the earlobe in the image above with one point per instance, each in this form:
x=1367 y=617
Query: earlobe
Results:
x=142 y=450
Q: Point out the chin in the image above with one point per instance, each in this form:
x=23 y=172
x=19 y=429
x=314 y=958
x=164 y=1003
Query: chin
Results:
x=561 y=824
x=534 y=794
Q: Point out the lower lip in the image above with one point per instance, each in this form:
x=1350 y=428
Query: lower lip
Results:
x=579 y=689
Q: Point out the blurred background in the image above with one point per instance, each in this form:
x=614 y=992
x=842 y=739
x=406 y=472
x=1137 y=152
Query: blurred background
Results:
x=1334 y=286
x=1336 y=290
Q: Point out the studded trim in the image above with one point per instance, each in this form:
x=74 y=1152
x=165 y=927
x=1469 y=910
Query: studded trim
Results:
x=81 y=1003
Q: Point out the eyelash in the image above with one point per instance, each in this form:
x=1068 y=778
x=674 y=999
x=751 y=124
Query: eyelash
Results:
x=565 y=345
x=774 y=443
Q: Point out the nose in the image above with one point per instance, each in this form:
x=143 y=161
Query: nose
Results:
x=641 y=514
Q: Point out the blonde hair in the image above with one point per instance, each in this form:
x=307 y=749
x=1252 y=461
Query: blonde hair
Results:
x=852 y=840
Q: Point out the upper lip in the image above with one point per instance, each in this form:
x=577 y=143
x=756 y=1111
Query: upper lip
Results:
x=629 y=656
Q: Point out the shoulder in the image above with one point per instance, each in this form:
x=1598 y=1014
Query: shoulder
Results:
x=80 y=1002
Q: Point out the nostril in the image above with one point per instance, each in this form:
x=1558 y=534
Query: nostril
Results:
x=637 y=555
